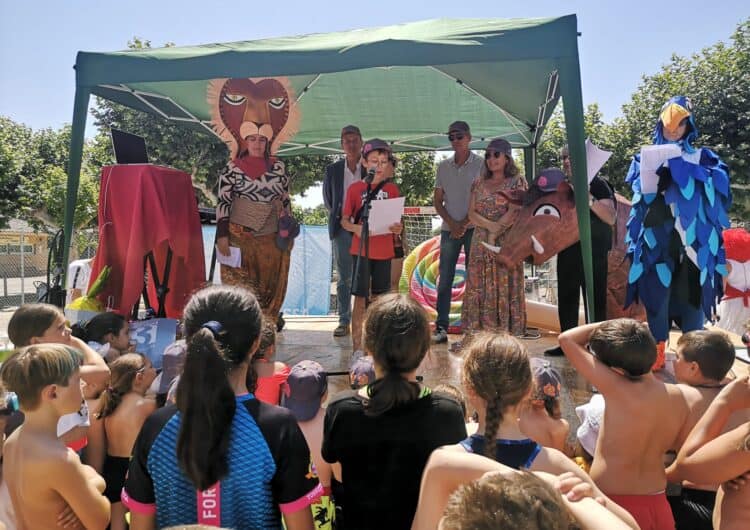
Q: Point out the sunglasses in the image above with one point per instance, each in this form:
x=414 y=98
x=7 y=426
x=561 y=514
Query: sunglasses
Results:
x=489 y=154
x=457 y=136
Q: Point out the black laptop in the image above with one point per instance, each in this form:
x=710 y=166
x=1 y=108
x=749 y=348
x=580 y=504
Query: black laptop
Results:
x=129 y=148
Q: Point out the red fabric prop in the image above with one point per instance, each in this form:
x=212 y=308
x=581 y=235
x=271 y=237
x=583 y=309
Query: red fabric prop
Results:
x=146 y=208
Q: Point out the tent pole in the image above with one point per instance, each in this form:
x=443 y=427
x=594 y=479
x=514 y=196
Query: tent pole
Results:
x=80 y=111
x=570 y=79
x=529 y=162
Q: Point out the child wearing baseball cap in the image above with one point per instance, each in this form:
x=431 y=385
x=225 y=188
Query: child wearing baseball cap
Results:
x=304 y=392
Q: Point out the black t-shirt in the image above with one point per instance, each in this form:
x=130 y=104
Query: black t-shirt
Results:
x=382 y=457
x=601 y=232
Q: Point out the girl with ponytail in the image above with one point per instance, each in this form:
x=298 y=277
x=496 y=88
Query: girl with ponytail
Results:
x=382 y=434
x=220 y=457
x=497 y=381
x=121 y=411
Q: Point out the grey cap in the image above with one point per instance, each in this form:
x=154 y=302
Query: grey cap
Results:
x=501 y=145
x=459 y=126
x=351 y=129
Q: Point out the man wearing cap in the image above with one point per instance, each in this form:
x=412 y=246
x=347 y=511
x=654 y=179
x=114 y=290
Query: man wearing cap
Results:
x=570 y=279
x=451 y=200
x=373 y=276
x=339 y=176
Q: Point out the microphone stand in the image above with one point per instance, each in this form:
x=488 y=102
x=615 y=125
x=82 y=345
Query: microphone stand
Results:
x=364 y=240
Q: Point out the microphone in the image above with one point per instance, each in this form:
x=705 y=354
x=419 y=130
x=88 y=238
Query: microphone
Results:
x=370 y=175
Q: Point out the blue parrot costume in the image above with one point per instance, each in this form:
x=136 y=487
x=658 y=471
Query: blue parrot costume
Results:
x=674 y=235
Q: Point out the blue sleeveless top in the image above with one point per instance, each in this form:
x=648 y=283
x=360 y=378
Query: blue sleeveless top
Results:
x=518 y=454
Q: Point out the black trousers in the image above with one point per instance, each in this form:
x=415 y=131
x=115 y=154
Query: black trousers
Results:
x=570 y=283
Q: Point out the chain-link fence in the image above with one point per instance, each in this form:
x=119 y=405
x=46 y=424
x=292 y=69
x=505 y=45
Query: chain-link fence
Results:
x=24 y=260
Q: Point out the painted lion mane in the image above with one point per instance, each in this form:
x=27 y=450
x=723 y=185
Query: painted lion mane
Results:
x=253 y=95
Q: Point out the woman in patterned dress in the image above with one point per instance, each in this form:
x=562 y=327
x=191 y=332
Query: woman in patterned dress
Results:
x=253 y=194
x=494 y=295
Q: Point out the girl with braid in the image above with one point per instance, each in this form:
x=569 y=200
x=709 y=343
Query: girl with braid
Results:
x=497 y=379
x=123 y=407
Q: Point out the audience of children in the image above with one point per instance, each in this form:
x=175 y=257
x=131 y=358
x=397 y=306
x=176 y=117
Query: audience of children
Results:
x=107 y=333
x=46 y=480
x=116 y=422
x=8 y=407
x=497 y=379
x=469 y=492
x=711 y=454
x=305 y=391
x=540 y=416
x=703 y=361
x=369 y=450
x=46 y=324
x=382 y=434
x=270 y=374
x=642 y=419
x=220 y=456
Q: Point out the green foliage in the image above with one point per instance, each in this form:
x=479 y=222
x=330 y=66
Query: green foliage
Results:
x=415 y=176
x=311 y=216
x=33 y=177
x=717 y=82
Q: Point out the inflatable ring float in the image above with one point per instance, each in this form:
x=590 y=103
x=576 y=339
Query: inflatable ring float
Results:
x=419 y=279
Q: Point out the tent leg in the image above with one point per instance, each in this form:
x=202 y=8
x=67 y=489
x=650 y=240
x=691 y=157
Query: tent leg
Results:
x=80 y=110
x=529 y=162
x=570 y=84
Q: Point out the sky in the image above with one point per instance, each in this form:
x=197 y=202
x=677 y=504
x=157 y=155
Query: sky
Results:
x=620 y=41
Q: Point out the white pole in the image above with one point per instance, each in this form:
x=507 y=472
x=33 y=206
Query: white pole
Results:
x=23 y=274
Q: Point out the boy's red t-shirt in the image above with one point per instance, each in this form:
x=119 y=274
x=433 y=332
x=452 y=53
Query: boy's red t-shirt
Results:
x=381 y=246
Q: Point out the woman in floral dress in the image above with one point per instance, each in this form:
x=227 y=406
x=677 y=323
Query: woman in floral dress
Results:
x=494 y=296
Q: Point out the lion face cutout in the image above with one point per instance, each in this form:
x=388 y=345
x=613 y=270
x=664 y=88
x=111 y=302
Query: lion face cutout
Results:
x=543 y=228
x=248 y=106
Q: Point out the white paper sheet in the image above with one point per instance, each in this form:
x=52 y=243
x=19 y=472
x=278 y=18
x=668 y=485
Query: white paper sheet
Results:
x=233 y=260
x=652 y=158
x=385 y=213
x=595 y=159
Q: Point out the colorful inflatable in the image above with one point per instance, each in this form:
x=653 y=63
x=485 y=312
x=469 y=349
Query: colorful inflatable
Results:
x=419 y=278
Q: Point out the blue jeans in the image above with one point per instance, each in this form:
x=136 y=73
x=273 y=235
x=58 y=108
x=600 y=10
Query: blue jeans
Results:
x=449 y=251
x=688 y=317
x=343 y=261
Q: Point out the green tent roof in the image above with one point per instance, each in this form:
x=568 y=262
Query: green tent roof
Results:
x=403 y=83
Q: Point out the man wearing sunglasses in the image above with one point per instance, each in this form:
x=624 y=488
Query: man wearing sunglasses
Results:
x=451 y=200
x=570 y=279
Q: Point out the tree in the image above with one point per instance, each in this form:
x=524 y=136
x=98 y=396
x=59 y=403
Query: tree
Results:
x=198 y=153
x=415 y=176
x=555 y=137
x=33 y=177
x=717 y=81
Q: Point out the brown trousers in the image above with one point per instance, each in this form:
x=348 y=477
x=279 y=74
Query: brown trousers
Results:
x=264 y=269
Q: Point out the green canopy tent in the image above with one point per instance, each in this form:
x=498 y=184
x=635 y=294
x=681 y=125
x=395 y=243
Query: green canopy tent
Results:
x=402 y=83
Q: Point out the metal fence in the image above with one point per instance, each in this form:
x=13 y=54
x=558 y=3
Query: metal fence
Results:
x=24 y=260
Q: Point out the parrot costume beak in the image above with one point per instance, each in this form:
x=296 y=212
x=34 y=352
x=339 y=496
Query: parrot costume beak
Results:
x=672 y=116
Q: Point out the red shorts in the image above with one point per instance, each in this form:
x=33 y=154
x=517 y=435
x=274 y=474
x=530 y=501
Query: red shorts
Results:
x=651 y=512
